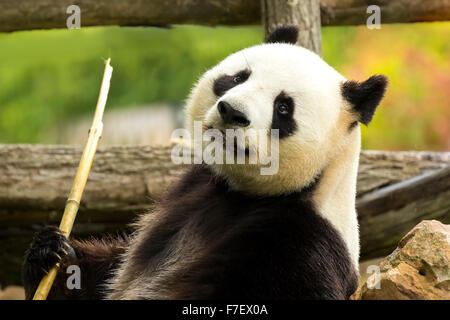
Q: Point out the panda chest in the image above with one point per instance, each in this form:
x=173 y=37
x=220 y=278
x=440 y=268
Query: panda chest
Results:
x=233 y=224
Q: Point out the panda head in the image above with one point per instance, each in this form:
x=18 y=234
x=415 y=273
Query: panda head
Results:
x=278 y=85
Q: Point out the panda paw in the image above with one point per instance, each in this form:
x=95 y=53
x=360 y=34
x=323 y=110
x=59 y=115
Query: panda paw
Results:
x=49 y=247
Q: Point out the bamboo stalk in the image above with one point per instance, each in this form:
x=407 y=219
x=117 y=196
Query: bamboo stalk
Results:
x=87 y=158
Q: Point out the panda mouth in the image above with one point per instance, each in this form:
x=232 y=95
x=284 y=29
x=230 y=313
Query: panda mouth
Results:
x=236 y=147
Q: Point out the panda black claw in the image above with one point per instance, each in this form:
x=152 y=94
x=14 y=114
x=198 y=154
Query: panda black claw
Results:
x=48 y=248
x=57 y=255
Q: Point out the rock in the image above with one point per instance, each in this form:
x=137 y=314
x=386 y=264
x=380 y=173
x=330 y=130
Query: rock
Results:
x=419 y=268
x=365 y=269
x=12 y=293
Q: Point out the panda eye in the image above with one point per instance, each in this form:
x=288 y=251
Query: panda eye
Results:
x=241 y=77
x=237 y=79
x=226 y=82
x=283 y=108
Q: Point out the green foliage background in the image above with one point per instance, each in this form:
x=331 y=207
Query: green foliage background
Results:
x=48 y=78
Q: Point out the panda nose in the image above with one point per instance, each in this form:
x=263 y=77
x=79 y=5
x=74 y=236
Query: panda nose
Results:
x=232 y=116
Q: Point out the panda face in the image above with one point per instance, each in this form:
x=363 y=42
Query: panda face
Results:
x=273 y=86
x=285 y=87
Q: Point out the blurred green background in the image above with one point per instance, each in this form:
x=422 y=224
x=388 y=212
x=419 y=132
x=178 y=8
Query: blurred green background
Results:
x=49 y=79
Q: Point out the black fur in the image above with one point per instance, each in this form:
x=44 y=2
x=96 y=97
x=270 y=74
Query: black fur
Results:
x=284 y=34
x=251 y=247
x=226 y=82
x=257 y=247
x=285 y=122
x=365 y=96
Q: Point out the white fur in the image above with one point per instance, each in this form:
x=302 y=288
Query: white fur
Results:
x=322 y=142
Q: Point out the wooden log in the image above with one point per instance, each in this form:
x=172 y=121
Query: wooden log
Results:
x=378 y=169
x=35 y=179
x=387 y=214
x=123 y=180
x=303 y=13
x=47 y=14
x=353 y=12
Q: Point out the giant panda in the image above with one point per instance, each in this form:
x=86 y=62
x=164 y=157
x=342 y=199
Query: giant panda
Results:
x=225 y=230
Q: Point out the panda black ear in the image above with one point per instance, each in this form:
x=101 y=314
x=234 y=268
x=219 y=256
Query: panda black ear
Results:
x=365 y=96
x=284 y=34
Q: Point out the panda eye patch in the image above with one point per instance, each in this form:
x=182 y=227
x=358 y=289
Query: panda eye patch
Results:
x=283 y=115
x=226 y=82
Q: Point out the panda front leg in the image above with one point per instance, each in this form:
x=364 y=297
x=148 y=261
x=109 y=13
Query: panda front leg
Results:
x=94 y=262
